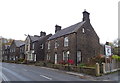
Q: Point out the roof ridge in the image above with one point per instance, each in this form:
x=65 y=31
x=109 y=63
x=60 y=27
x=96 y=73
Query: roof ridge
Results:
x=67 y=30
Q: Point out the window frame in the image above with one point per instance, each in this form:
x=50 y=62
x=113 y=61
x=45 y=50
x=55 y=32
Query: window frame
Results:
x=41 y=46
x=66 y=41
x=48 y=45
x=56 y=44
x=33 y=46
x=83 y=30
x=48 y=57
x=65 y=55
x=79 y=58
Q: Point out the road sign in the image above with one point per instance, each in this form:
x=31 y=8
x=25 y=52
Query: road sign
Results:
x=107 y=50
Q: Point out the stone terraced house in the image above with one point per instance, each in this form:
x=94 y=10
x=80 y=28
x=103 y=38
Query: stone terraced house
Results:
x=15 y=50
x=78 y=42
x=35 y=47
x=5 y=52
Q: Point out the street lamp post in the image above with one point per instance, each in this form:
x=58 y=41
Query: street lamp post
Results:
x=25 y=51
x=68 y=62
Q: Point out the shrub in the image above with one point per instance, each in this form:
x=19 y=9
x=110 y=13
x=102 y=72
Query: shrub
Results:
x=24 y=61
x=71 y=61
x=63 y=62
x=20 y=59
x=99 y=59
x=49 y=62
x=81 y=65
x=40 y=63
x=116 y=57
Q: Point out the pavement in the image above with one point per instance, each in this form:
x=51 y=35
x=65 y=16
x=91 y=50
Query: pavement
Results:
x=22 y=72
x=115 y=76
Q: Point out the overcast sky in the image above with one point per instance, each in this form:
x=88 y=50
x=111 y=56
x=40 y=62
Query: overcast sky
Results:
x=19 y=17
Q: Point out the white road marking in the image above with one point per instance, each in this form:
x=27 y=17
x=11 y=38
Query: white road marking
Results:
x=4 y=77
x=12 y=73
x=46 y=77
x=49 y=68
x=75 y=74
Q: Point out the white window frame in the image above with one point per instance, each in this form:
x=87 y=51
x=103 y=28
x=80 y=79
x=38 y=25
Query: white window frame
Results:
x=16 y=57
x=56 y=44
x=83 y=30
x=66 y=41
x=35 y=59
x=48 y=57
x=56 y=58
x=49 y=45
x=65 y=55
x=79 y=56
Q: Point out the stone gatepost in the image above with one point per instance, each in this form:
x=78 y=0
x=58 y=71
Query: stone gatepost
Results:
x=97 y=69
x=103 y=64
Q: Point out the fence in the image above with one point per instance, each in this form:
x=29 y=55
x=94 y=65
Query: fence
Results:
x=112 y=66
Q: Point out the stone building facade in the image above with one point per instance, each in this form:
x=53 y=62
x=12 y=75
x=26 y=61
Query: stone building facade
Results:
x=35 y=47
x=15 y=50
x=78 y=42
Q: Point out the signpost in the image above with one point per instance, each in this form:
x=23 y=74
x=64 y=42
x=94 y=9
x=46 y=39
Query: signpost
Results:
x=107 y=50
x=108 y=54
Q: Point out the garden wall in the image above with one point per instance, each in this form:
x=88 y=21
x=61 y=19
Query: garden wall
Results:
x=85 y=70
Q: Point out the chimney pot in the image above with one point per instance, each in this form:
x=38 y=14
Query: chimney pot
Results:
x=86 y=16
x=57 y=28
x=42 y=33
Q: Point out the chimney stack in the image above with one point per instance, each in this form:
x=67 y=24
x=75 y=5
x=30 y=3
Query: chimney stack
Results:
x=57 y=28
x=86 y=16
x=42 y=33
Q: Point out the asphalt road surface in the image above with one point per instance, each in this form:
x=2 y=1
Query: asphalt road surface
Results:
x=21 y=72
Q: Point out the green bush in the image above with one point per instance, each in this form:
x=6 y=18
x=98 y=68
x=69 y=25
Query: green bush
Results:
x=116 y=57
x=81 y=65
x=40 y=63
x=20 y=60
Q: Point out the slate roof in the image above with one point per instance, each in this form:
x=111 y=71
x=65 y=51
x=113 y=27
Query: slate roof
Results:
x=41 y=38
x=36 y=38
x=68 y=30
x=19 y=43
x=33 y=38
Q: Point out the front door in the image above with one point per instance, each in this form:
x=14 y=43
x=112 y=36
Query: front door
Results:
x=55 y=58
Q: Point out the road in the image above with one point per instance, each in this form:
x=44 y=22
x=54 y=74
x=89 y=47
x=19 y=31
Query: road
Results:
x=21 y=72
